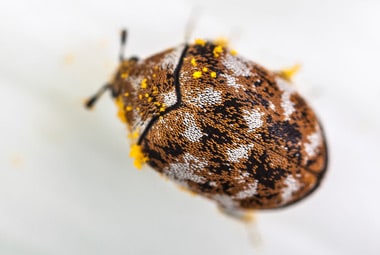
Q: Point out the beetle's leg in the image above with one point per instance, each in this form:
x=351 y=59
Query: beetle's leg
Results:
x=92 y=100
x=191 y=23
x=123 y=42
x=242 y=215
x=289 y=72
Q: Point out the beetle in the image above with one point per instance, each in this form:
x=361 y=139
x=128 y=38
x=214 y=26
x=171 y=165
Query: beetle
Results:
x=220 y=125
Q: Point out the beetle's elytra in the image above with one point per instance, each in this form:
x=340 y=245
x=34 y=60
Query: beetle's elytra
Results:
x=221 y=126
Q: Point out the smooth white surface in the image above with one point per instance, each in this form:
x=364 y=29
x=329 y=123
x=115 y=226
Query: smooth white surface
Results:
x=67 y=185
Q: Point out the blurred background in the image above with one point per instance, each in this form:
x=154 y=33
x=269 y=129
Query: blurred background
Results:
x=67 y=185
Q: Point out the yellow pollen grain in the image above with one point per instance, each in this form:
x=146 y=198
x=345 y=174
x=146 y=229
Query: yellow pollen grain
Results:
x=222 y=41
x=140 y=96
x=288 y=73
x=204 y=69
x=157 y=103
x=154 y=75
x=126 y=94
x=233 y=52
x=138 y=108
x=200 y=42
x=146 y=95
x=213 y=74
x=193 y=62
x=217 y=50
x=128 y=108
x=150 y=99
x=162 y=109
x=139 y=157
x=124 y=75
x=144 y=84
x=197 y=74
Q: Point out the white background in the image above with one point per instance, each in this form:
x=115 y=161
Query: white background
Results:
x=67 y=185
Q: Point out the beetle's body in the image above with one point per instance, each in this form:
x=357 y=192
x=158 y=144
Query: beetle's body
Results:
x=222 y=126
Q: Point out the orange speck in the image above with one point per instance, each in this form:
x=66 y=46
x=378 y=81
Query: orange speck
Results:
x=68 y=59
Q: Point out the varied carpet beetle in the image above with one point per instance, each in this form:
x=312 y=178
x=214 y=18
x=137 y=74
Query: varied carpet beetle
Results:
x=220 y=125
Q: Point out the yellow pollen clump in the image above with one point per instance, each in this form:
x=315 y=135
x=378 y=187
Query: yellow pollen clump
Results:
x=133 y=135
x=162 y=109
x=154 y=75
x=124 y=75
x=157 y=103
x=233 y=52
x=217 y=50
x=120 y=112
x=128 y=108
x=146 y=95
x=197 y=74
x=126 y=94
x=213 y=74
x=144 y=84
x=137 y=154
x=200 y=42
x=193 y=62
x=140 y=96
x=150 y=99
x=204 y=69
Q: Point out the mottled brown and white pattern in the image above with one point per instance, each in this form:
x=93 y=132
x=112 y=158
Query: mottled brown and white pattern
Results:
x=222 y=126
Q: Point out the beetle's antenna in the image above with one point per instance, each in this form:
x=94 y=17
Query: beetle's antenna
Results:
x=92 y=100
x=123 y=41
x=191 y=22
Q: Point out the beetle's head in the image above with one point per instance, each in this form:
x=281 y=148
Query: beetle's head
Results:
x=126 y=64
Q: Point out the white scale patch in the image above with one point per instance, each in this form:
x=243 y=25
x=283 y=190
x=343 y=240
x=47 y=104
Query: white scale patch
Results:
x=236 y=65
x=272 y=106
x=315 y=140
x=186 y=170
x=206 y=97
x=170 y=98
x=253 y=119
x=193 y=133
x=291 y=185
x=286 y=104
x=171 y=59
x=234 y=155
x=249 y=192
x=231 y=81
